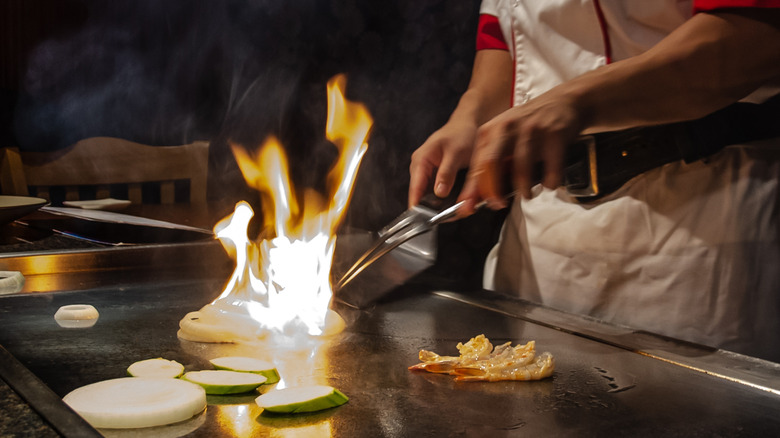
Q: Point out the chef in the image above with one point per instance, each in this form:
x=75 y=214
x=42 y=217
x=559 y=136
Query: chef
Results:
x=688 y=249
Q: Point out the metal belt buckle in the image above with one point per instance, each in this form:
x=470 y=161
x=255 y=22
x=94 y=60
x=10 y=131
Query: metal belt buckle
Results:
x=581 y=178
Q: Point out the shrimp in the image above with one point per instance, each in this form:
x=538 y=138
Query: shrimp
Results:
x=479 y=361
x=434 y=363
x=540 y=368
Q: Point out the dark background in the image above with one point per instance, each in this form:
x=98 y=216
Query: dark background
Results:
x=175 y=71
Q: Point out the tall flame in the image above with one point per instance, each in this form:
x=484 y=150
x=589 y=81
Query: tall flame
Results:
x=282 y=283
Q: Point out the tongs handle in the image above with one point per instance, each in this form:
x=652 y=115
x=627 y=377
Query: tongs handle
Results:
x=449 y=213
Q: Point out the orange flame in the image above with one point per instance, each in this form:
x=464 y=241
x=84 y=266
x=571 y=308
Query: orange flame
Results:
x=283 y=282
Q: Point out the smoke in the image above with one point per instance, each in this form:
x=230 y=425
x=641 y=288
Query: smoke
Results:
x=135 y=72
x=175 y=71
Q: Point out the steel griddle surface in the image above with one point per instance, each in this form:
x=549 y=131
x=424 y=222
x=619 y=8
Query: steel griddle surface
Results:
x=597 y=389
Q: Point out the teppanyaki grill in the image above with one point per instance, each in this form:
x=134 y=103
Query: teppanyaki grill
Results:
x=608 y=379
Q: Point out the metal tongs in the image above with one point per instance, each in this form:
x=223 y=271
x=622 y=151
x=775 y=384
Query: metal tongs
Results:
x=580 y=180
x=418 y=220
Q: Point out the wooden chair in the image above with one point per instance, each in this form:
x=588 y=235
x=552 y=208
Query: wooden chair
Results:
x=104 y=162
x=12 y=181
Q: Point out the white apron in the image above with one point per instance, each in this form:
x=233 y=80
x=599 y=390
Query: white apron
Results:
x=689 y=251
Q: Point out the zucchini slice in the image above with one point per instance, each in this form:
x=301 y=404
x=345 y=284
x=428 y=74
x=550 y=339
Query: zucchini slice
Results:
x=301 y=399
x=224 y=382
x=247 y=365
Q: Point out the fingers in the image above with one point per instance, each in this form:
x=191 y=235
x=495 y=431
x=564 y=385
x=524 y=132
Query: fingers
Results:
x=426 y=160
x=553 y=153
x=445 y=176
x=445 y=153
x=488 y=171
x=469 y=195
x=537 y=147
x=524 y=160
x=515 y=144
x=420 y=171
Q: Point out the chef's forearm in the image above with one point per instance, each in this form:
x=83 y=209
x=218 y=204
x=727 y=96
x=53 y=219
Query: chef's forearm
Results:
x=709 y=62
x=490 y=89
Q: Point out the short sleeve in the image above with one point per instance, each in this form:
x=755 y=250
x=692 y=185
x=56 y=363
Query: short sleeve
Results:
x=489 y=34
x=709 y=5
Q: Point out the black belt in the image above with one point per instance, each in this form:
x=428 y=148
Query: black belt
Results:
x=601 y=163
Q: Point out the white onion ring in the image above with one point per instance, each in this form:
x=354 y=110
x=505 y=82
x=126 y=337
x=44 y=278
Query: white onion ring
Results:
x=76 y=316
x=11 y=282
x=137 y=402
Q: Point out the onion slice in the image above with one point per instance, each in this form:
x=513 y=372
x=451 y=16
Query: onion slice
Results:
x=76 y=316
x=301 y=399
x=157 y=367
x=136 y=402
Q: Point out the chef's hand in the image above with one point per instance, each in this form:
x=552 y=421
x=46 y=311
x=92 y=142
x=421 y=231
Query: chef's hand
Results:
x=509 y=146
x=449 y=149
x=444 y=153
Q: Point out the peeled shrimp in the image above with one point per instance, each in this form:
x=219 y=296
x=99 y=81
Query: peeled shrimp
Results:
x=479 y=361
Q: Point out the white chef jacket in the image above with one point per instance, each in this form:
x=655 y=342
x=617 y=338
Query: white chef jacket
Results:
x=689 y=251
